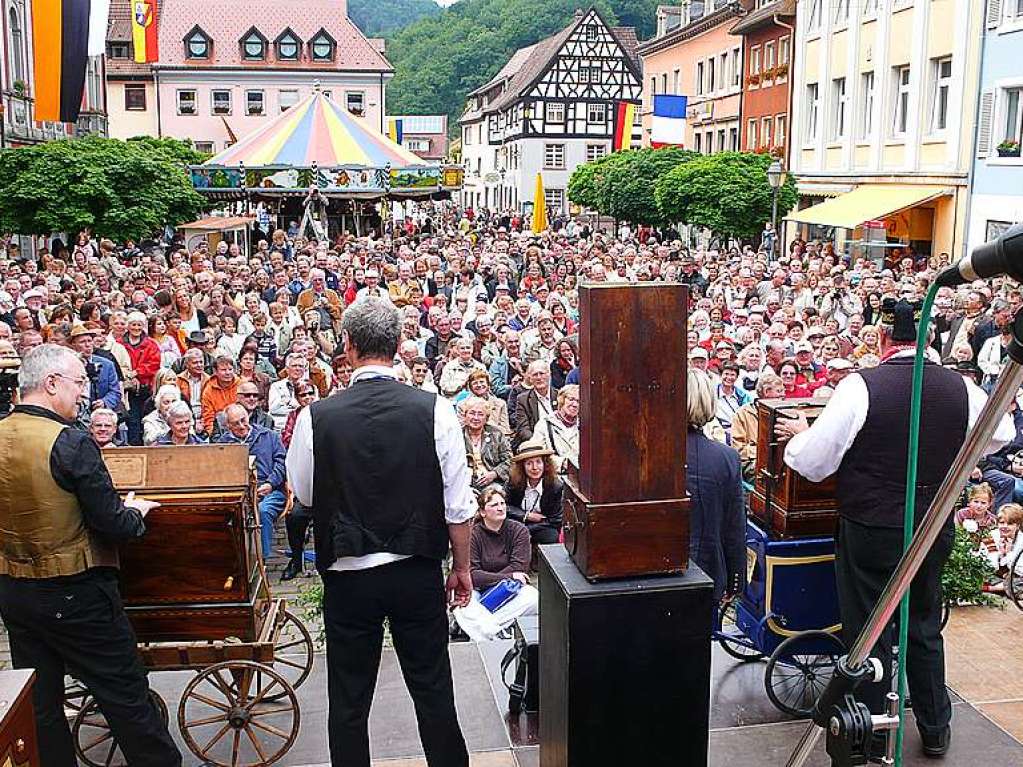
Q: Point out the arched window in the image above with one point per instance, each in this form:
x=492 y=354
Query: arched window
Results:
x=17 y=47
x=288 y=47
x=197 y=45
x=322 y=47
x=253 y=47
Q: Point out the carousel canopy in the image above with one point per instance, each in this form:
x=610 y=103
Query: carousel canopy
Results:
x=317 y=131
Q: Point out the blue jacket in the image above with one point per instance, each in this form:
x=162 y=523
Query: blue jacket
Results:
x=499 y=376
x=717 y=523
x=108 y=388
x=268 y=450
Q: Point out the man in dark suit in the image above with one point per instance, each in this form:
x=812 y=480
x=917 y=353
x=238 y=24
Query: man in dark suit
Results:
x=1000 y=315
x=384 y=469
x=428 y=284
x=535 y=402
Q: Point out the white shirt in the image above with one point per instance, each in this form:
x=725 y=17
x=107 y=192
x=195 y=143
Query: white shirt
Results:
x=817 y=452
x=531 y=498
x=378 y=292
x=459 y=502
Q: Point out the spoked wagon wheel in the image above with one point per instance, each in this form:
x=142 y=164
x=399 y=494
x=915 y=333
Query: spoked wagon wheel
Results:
x=94 y=743
x=799 y=670
x=293 y=652
x=228 y=720
x=1014 y=580
x=732 y=640
x=75 y=694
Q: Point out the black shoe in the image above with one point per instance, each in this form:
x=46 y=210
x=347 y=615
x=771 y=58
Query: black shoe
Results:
x=293 y=569
x=455 y=633
x=936 y=745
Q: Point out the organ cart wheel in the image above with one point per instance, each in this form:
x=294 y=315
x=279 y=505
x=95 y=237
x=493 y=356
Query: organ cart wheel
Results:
x=94 y=743
x=1014 y=580
x=293 y=652
x=800 y=668
x=75 y=694
x=227 y=717
x=732 y=640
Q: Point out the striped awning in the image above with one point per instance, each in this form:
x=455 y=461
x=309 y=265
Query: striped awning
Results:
x=316 y=130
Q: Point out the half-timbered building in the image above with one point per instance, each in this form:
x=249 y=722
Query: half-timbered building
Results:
x=551 y=108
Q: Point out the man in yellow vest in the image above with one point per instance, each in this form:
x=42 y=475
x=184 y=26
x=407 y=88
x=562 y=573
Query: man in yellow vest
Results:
x=60 y=523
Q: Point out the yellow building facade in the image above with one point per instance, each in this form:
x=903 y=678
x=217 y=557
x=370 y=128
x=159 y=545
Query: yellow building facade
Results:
x=885 y=100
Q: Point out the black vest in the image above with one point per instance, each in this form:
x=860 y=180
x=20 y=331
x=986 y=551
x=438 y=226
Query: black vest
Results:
x=377 y=484
x=872 y=476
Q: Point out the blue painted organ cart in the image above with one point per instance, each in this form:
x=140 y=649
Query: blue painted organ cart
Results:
x=788 y=612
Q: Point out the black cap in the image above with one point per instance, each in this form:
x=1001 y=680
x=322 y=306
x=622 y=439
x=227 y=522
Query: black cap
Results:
x=902 y=316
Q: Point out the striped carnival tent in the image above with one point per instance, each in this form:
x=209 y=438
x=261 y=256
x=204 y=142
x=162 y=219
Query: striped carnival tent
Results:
x=318 y=142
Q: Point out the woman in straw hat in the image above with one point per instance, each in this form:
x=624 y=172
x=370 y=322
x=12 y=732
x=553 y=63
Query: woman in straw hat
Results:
x=535 y=492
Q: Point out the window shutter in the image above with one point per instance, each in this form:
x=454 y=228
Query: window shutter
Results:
x=994 y=13
x=985 y=126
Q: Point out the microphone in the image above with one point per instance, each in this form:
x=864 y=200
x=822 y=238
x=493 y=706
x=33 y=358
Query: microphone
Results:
x=1002 y=256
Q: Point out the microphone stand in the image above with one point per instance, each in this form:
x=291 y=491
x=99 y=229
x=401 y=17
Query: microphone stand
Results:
x=849 y=724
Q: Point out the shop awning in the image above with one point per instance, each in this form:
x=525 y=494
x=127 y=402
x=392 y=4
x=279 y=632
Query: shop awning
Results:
x=867 y=203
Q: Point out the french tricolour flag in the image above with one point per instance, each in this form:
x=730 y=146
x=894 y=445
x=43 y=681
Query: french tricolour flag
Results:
x=669 y=123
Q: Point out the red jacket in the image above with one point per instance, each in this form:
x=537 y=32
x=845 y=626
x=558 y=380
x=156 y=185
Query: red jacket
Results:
x=145 y=358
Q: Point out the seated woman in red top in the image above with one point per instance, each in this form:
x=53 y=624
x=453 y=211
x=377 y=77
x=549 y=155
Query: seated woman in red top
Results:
x=788 y=370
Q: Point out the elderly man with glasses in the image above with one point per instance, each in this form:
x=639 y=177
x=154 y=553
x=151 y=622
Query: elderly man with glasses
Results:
x=59 y=595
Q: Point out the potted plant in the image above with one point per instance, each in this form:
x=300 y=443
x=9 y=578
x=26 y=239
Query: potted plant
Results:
x=753 y=79
x=19 y=87
x=1009 y=148
x=966 y=572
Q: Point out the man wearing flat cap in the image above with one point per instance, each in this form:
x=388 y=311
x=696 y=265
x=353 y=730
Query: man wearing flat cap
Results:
x=862 y=437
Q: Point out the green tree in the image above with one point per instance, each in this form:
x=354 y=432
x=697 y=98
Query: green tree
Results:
x=379 y=18
x=121 y=189
x=179 y=150
x=630 y=183
x=440 y=58
x=585 y=186
x=727 y=193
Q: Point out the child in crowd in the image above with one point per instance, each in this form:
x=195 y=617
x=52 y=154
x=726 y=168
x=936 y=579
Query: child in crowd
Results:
x=1002 y=545
x=978 y=508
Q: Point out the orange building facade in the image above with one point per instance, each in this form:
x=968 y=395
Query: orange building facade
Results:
x=767 y=37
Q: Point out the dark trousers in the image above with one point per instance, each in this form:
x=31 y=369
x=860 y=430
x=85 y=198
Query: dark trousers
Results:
x=297 y=523
x=865 y=558
x=136 y=412
x=77 y=625
x=410 y=594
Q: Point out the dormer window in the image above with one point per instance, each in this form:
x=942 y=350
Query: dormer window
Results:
x=288 y=46
x=321 y=47
x=253 y=46
x=197 y=44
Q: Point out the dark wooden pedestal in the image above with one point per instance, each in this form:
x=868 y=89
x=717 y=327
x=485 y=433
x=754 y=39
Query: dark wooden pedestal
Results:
x=624 y=667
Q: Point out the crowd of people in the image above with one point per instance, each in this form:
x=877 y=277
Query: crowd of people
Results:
x=194 y=345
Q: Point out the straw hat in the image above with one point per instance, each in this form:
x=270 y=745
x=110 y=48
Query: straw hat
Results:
x=532 y=448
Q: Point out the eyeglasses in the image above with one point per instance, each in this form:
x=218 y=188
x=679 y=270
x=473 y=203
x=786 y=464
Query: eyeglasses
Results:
x=79 y=382
x=248 y=394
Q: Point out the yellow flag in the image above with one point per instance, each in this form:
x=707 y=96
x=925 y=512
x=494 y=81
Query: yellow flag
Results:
x=539 y=207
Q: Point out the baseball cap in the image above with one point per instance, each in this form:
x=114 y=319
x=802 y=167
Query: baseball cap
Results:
x=803 y=346
x=699 y=351
x=840 y=364
x=33 y=293
x=815 y=331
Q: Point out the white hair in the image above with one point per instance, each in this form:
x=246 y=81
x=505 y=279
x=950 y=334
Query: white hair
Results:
x=178 y=409
x=43 y=361
x=167 y=391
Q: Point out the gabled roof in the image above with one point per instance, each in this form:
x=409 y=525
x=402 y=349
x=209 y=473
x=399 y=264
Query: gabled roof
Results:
x=119 y=31
x=762 y=16
x=528 y=64
x=225 y=21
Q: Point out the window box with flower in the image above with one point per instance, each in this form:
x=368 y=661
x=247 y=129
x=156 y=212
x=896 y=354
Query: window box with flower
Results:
x=1009 y=148
x=753 y=79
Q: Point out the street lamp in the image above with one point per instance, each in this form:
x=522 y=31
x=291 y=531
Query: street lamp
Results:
x=776 y=178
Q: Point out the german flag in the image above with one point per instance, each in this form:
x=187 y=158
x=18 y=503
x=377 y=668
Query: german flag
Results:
x=625 y=115
x=143 y=31
x=60 y=29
